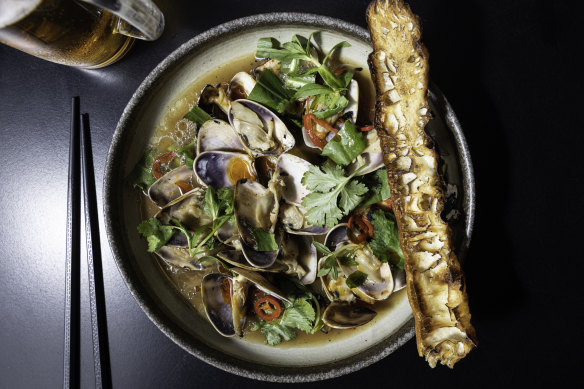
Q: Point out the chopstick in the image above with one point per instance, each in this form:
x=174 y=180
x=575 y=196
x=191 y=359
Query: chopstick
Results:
x=94 y=267
x=78 y=156
x=73 y=261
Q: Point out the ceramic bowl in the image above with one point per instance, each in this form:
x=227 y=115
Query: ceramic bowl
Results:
x=145 y=279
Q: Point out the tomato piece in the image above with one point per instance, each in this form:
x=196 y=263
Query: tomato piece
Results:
x=318 y=138
x=162 y=159
x=361 y=228
x=367 y=128
x=184 y=186
x=268 y=308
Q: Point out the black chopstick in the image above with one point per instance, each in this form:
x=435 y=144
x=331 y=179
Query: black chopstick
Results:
x=73 y=262
x=94 y=266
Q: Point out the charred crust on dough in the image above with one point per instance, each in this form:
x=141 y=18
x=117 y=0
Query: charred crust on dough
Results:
x=435 y=281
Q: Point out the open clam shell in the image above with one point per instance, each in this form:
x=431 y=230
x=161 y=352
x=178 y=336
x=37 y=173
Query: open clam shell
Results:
x=222 y=169
x=214 y=100
x=260 y=130
x=180 y=257
x=350 y=111
x=224 y=299
x=299 y=255
x=217 y=135
x=336 y=289
x=379 y=283
x=256 y=212
x=170 y=186
x=293 y=220
x=241 y=85
x=261 y=282
x=236 y=258
x=345 y=316
x=187 y=209
x=291 y=169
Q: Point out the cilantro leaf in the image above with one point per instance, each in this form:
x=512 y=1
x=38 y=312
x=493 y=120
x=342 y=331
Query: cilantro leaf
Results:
x=226 y=197
x=385 y=243
x=264 y=240
x=351 y=195
x=323 y=180
x=274 y=333
x=321 y=203
x=142 y=176
x=378 y=185
x=348 y=147
x=356 y=279
x=155 y=233
x=197 y=115
x=300 y=314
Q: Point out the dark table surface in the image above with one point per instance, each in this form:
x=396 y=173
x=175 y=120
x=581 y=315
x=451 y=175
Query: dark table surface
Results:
x=510 y=71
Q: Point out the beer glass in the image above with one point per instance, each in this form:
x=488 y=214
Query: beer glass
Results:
x=81 y=33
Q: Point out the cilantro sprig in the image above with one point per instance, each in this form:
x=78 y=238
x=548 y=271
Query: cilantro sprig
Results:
x=333 y=195
x=301 y=313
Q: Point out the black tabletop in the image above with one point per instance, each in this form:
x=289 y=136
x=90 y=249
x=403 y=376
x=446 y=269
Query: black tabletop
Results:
x=511 y=72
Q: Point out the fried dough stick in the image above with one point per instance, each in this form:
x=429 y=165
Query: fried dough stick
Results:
x=435 y=282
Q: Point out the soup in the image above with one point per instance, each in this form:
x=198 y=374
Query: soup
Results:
x=268 y=207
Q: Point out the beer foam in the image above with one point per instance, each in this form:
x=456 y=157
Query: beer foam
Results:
x=11 y=11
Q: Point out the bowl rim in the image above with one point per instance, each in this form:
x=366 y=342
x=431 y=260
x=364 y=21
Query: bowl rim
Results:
x=138 y=290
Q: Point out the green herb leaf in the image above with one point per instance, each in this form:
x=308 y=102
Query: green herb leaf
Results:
x=141 y=176
x=335 y=47
x=329 y=266
x=286 y=54
x=274 y=333
x=264 y=241
x=211 y=206
x=351 y=143
x=321 y=203
x=293 y=81
x=378 y=185
x=321 y=247
x=270 y=92
x=347 y=77
x=385 y=243
x=312 y=90
x=348 y=259
x=325 y=105
x=197 y=115
x=188 y=153
x=155 y=233
x=226 y=197
x=356 y=279
x=299 y=315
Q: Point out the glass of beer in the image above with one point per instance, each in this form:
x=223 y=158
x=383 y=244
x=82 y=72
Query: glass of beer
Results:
x=82 y=33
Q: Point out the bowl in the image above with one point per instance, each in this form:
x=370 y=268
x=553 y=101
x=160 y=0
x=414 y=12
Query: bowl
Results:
x=152 y=290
